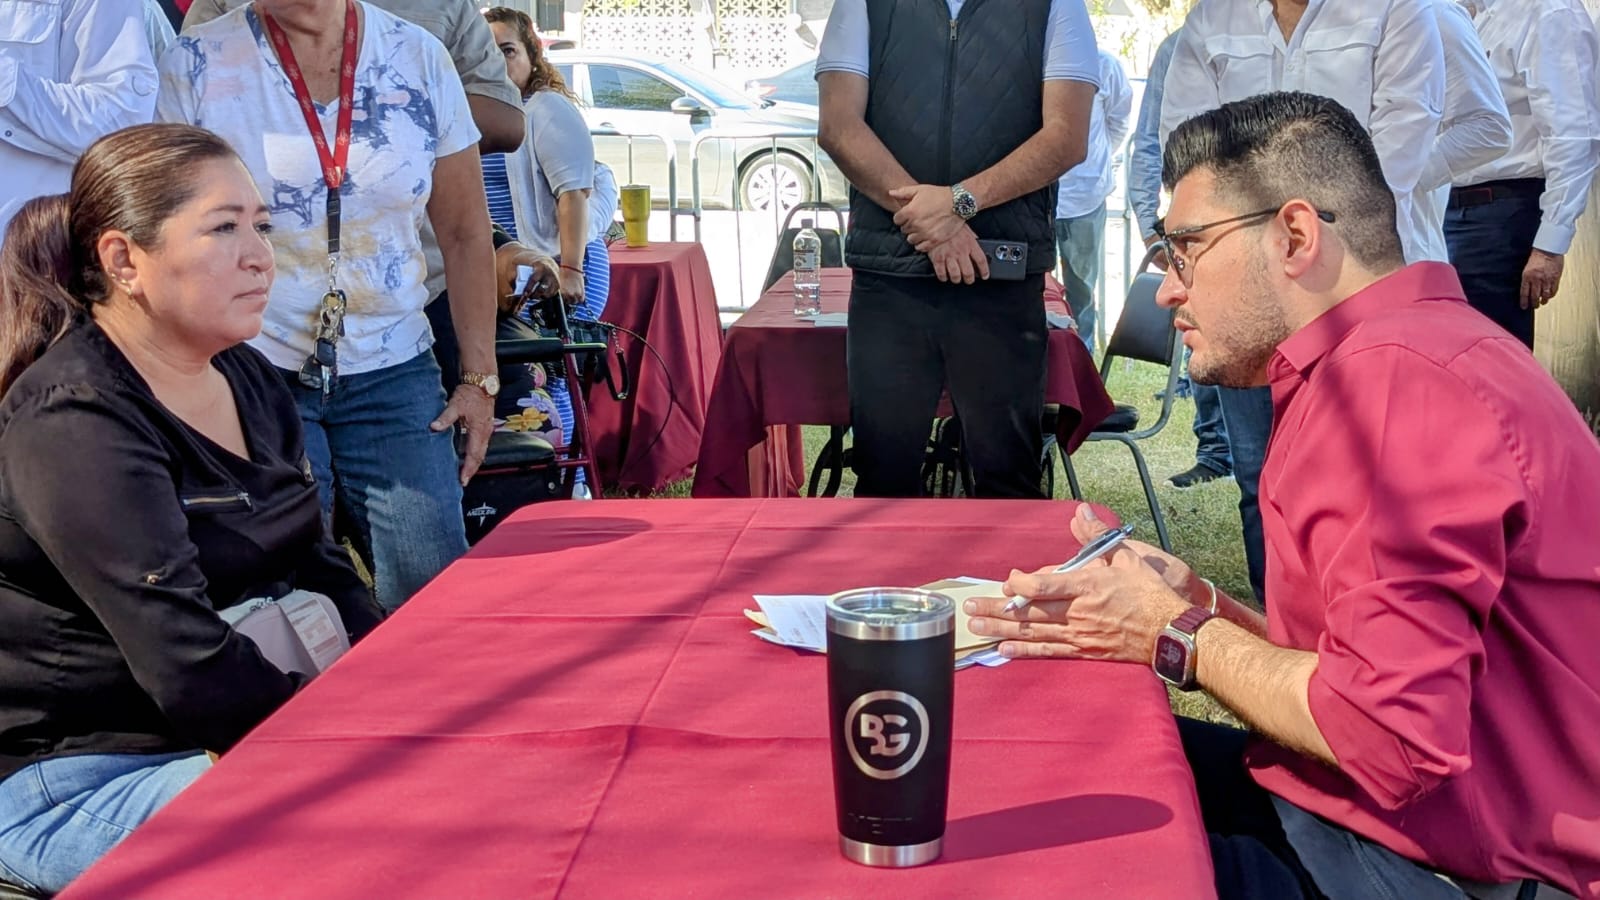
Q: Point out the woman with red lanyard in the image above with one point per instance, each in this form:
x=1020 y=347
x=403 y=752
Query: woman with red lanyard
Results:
x=355 y=126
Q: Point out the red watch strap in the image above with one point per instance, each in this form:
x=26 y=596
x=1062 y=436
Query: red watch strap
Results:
x=1192 y=619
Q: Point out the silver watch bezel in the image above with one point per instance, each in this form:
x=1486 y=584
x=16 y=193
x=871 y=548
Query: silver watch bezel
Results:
x=1189 y=662
x=962 y=203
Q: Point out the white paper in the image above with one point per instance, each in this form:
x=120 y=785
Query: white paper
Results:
x=968 y=579
x=1060 y=321
x=831 y=320
x=800 y=620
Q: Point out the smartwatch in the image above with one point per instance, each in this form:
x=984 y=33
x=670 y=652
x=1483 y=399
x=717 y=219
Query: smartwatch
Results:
x=1174 y=659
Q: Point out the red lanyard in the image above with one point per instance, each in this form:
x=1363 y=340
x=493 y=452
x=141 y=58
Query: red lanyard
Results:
x=333 y=162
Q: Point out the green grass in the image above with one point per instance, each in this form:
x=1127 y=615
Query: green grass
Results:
x=1203 y=522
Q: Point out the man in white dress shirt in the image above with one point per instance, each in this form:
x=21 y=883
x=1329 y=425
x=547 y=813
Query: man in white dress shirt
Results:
x=1511 y=221
x=1381 y=59
x=71 y=72
x=1475 y=129
x=158 y=28
x=1081 y=196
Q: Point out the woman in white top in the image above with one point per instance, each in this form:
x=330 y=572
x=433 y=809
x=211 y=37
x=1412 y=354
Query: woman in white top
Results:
x=554 y=181
x=378 y=427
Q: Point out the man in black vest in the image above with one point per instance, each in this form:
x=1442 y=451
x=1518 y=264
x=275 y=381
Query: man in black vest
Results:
x=953 y=122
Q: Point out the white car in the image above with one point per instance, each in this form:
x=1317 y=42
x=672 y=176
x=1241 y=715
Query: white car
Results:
x=633 y=95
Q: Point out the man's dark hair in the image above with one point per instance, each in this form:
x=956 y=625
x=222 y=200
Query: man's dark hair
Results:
x=1272 y=148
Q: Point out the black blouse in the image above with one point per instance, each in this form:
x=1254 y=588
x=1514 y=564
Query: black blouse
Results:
x=122 y=531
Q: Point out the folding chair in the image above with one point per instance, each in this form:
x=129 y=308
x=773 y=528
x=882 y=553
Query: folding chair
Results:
x=1145 y=333
x=783 y=254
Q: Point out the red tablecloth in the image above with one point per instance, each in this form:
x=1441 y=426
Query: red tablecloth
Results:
x=577 y=709
x=664 y=293
x=779 y=372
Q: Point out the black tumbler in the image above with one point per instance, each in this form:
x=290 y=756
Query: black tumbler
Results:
x=891 y=686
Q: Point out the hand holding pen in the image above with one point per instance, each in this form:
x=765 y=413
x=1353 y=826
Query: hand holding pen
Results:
x=1091 y=551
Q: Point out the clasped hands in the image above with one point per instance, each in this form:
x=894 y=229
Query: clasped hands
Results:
x=1112 y=609
x=927 y=217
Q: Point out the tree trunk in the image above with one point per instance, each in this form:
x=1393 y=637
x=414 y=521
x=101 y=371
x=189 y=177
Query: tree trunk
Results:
x=1567 y=336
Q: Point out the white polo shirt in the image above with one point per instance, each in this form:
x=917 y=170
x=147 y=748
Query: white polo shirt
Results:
x=1069 y=46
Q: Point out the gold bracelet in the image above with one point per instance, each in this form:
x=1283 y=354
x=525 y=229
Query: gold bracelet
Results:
x=1212 y=585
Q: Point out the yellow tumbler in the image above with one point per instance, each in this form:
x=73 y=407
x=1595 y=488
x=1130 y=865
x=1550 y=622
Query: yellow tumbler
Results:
x=636 y=214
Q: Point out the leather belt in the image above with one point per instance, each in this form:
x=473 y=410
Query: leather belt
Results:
x=1490 y=191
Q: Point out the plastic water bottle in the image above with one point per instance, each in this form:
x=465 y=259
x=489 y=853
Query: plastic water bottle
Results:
x=807 y=270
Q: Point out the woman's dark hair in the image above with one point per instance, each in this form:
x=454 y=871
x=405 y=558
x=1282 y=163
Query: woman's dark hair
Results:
x=544 y=76
x=130 y=181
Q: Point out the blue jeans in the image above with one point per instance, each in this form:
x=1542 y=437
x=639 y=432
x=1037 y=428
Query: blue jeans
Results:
x=395 y=483
x=58 y=816
x=1265 y=847
x=1210 y=431
x=1080 y=242
x=1247 y=415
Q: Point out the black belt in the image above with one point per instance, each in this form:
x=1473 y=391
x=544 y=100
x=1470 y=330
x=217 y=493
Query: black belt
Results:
x=1490 y=191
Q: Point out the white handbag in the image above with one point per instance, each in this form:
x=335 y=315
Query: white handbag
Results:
x=298 y=632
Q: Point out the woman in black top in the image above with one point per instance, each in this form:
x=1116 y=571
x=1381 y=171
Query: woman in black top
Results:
x=151 y=473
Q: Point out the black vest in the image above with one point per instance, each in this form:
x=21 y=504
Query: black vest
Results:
x=949 y=99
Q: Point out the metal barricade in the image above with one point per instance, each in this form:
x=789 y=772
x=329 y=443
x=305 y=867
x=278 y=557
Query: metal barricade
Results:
x=736 y=133
x=671 y=145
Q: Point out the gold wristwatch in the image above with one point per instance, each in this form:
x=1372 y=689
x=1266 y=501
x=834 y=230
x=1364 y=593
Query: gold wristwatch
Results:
x=489 y=383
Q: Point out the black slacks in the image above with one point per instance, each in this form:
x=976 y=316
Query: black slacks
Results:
x=911 y=337
x=1490 y=244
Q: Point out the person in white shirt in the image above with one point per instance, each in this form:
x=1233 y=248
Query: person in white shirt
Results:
x=1081 y=196
x=1510 y=221
x=953 y=122
x=71 y=72
x=157 y=28
x=1475 y=128
x=1382 y=60
x=379 y=426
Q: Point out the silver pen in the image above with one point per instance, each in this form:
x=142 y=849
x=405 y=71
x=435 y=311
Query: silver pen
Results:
x=1091 y=551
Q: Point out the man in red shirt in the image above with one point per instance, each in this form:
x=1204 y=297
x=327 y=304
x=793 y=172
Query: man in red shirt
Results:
x=1424 y=695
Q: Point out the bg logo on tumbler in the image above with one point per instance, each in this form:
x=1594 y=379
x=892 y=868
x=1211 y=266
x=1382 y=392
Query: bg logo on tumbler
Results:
x=887 y=733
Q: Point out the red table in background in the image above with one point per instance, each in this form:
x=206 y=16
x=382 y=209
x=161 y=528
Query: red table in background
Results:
x=534 y=725
x=780 y=371
x=664 y=293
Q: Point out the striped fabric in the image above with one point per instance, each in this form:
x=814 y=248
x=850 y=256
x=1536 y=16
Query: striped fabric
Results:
x=498 y=190
x=596 y=288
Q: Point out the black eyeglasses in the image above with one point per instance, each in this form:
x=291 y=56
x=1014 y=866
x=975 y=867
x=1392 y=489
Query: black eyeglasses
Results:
x=1183 y=261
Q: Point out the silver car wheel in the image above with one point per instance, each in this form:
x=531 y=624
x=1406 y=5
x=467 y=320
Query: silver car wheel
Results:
x=774 y=177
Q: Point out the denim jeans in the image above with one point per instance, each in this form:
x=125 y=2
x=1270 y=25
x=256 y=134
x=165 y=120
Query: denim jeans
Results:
x=1080 y=242
x=395 y=483
x=1210 y=431
x=58 y=816
x=1247 y=415
x=1489 y=246
x=1265 y=847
